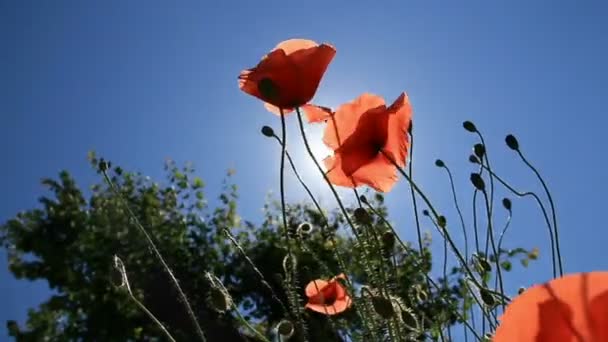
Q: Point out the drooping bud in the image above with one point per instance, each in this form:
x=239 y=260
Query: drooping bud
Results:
x=469 y=126
x=487 y=297
x=478 y=182
x=512 y=142
x=268 y=131
x=362 y=216
x=383 y=307
x=479 y=150
x=439 y=163
x=473 y=159
x=506 y=203
x=521 y=290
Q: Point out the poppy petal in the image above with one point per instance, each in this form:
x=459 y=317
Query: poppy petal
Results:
x=290 y=46
x=311 y=64
x=598 y=317
x=554 y=318
x=277 y=71
x=316 y=113
x=380 y=174
x=276 y=110
x=571 y=308
x=346 y=118
x=315 y=287
x=399 y=120
x=337 y=307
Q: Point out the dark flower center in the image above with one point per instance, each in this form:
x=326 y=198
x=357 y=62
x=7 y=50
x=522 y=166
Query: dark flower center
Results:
x=268 y=89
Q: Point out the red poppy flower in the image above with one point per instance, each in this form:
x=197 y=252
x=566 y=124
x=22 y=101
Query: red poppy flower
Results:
x=289 y=75
x=327 y=297
x=362 y=134
x=568 y=309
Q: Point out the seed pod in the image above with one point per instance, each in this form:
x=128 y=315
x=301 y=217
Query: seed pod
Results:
x=285 y=328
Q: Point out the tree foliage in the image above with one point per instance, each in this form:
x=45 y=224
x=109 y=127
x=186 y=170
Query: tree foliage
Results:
x=71 y=241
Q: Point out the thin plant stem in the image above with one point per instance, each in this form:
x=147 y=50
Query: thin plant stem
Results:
x=464 y=230
x=552 y=204
x=243 y=321
x=284 y=216
x=436 y=216
x=542 y=208
x=156 y=252
x=255 y=269
x=502 y=234
x=415 y=205
x=119 y=265
x=496 y=256
x=331 y=186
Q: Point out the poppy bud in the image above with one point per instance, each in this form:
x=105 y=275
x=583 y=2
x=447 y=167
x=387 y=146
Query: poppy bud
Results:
x=512 y=142
x=268 y=89
x=268 y=131
x=483 y=265
x=506 y=203
x=304 y=228
x=362 y=216
x=363 y=199
x=521 y=290
x=383 y=307
x=487 y=338
x=425 y=212
x=285 y=328
x=219 y=300
x=469 y=126
x=388 y=240
x=480 y=150
x=487 y=297
x=409 y=319
x=478 y=181
x=442 y=221
x=474 y=159
x=439 y=163
x=102 y=166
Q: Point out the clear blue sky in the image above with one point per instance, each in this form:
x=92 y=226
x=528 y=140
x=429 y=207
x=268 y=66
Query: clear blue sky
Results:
x=139 y=81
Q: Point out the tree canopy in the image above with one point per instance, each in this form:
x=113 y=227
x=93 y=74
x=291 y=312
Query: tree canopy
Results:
x=73 y=238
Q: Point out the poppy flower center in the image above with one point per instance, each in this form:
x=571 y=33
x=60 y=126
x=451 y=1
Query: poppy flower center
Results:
x=329 y=295
x=268 y=89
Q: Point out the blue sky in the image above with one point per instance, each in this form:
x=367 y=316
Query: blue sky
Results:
x=142 y=81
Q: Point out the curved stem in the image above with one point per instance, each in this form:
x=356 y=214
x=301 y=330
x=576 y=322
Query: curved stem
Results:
x=120 y=266
x=559 y=256
x=436 y=216
x=496 y=256
x=156 y=252
x=542 y=207
x=464 y=230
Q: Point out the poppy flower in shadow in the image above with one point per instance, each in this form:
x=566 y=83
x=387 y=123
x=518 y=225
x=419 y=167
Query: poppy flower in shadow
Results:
x=368 y=139
x=327 y=297
x=289 y=75
x=568 y=309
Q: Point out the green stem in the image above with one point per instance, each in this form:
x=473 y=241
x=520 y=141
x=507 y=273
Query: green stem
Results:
x=156 y=252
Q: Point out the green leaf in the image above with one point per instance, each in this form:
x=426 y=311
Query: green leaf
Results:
x=506 y=265
x=197 y=183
